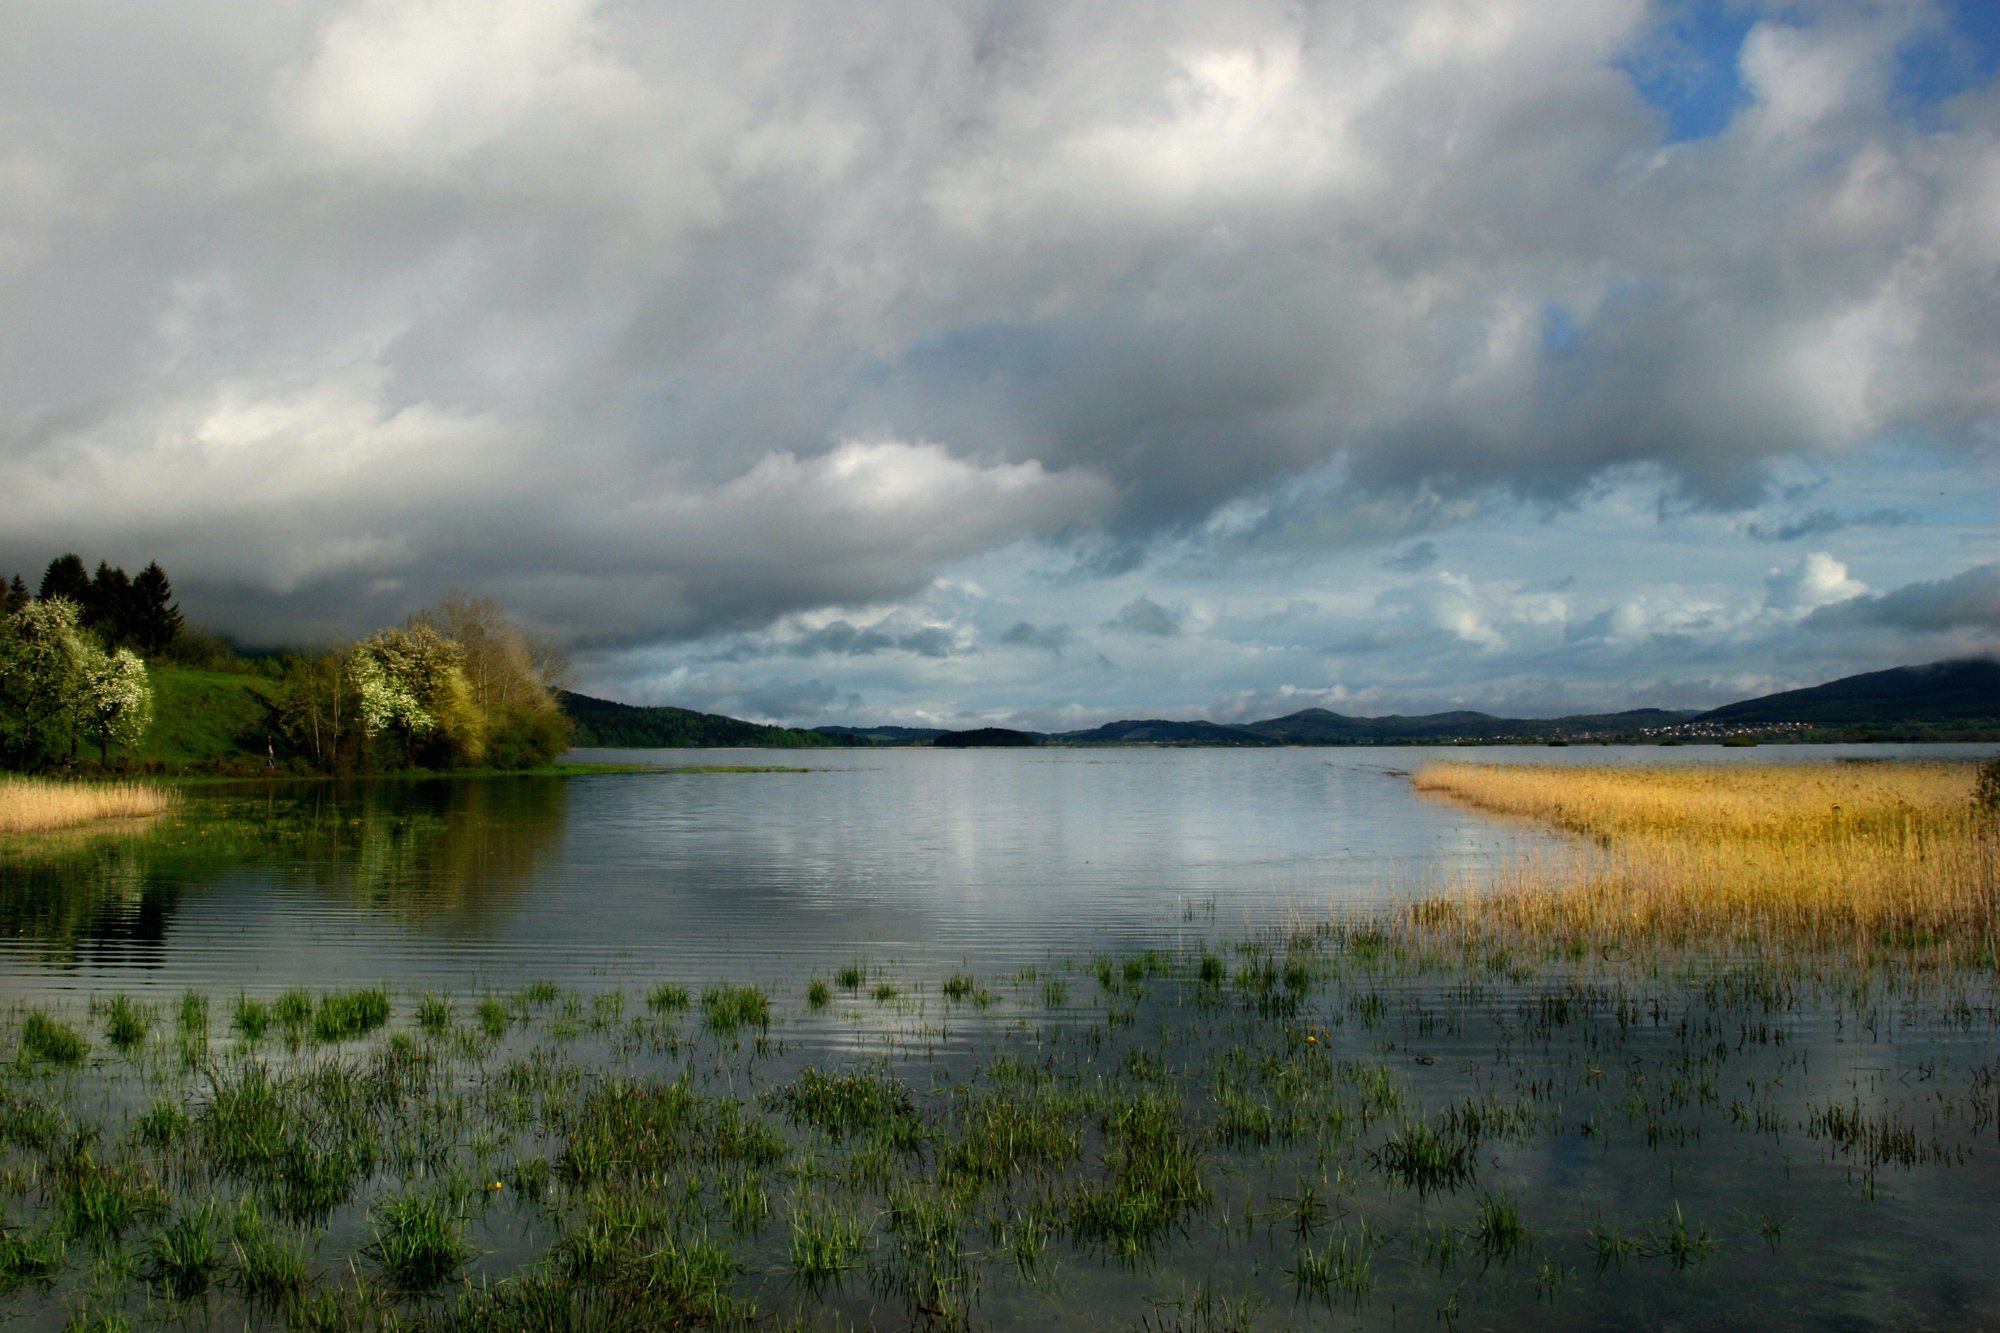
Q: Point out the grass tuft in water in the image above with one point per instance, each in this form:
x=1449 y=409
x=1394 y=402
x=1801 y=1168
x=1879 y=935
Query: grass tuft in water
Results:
x=126 y=1023
x=183 y=1257
x=726 y=1008
x=1498 y=1229
x=419 y=1241
x=46 y=1040
x=340 y=1015
x=1426 y=1160
x=826 y=1243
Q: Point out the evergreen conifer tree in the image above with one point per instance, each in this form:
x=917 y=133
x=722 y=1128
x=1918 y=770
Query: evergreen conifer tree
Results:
x=107 y=607
x=66 y=578
x=156 y=621
x=17 y=595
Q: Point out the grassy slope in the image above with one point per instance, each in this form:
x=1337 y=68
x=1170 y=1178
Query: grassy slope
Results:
x=202 y=716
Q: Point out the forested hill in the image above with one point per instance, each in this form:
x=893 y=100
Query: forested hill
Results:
x=1963 y=693
x=600 y=722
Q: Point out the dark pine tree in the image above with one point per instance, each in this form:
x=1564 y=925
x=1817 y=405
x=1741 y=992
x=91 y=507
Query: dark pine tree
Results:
x=156 y=621
x=107 y=607
x=17 y=595
x=66 y=577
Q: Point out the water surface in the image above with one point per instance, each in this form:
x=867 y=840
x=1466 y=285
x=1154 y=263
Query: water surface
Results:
x=996 y=859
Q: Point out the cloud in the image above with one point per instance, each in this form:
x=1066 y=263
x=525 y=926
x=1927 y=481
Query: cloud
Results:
x=1144 y=616
x=1817 y=580
x=1049 y=638
x=1413 y=558
x=1822 y=522
x=667 y=324
x=1969 y=600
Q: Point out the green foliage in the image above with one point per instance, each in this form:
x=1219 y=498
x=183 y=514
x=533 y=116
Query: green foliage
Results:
x=59 y=687
x=65 y=578
x=600 y=722
x=512 y=676
x=457 y=686
x=413 y=700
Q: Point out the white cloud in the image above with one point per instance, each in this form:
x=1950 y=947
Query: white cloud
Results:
x=677 y=322
x=1816 y=580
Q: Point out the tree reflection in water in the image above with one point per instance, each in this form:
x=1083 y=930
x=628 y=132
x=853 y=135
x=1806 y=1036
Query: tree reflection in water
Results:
x=445 y=853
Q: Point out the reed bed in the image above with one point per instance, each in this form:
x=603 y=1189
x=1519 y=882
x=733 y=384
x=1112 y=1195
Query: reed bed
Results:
x=37 y=805
x=1831 y=854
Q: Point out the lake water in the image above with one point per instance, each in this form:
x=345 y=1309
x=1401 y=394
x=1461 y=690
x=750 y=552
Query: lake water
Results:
x=926 y=859
x=1681 y=1142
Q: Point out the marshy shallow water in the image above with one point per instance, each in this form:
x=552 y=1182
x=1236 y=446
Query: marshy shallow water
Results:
x=600 y=1052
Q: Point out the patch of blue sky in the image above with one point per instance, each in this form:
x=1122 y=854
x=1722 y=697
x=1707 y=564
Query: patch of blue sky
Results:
x=1559 y=331
x=1685 y=63
x=1941 y=63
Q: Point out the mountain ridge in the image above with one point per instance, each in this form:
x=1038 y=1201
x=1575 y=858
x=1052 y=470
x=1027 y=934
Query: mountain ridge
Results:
x=1953 y=699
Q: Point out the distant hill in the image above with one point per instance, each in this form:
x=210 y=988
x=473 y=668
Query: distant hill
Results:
x=600 y=722
x=1318 y=726
x=1159 y=731
x=881 y=735
x=1945 y=700
x=983 y=738
x=1961 y=694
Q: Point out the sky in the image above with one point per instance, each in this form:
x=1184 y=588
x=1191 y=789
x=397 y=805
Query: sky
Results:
x=1026 y=363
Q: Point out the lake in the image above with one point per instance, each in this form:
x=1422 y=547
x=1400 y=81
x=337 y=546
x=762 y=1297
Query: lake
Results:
x=993 y=858
x=1023 y=1039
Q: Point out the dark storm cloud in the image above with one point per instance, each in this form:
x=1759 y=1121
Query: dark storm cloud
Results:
x=1966 y=601
x=668 y=322
x=1823 y=522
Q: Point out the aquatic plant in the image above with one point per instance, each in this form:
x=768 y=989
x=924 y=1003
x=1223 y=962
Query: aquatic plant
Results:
x=126 y=1023
x=419 y=1240
x=51 y=1041
x=726 y=1008
x=40 y=805
x=184 y=1256
x=1822 y=853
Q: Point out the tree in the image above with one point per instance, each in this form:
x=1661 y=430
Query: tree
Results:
x=44 y=655
x=312 y=711
x=65 y=578
x=17 y=595
x=513 y=676
x=114 y=701
x=107 y=606
x=410 y=694
x=155 y=619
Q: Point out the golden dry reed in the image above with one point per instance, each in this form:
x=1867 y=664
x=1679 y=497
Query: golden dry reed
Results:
x=1829 y=853
x=34 y=805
